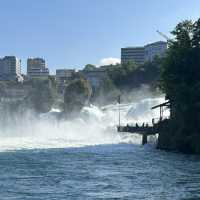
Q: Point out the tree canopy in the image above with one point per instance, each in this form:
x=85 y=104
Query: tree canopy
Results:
x=130 y=75
x=180 y=80
x=89 y=67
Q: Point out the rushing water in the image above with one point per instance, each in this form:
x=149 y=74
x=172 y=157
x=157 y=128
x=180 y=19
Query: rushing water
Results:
x=85 y=158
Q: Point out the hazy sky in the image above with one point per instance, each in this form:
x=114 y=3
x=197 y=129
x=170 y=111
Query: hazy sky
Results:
x=72 y=33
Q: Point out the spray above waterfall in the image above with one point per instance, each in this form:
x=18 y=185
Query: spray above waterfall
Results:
x=94 y=126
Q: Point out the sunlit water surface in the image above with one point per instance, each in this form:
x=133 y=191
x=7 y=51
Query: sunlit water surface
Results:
x=120 y=171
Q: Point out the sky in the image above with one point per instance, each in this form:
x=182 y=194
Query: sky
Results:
x=73 y=33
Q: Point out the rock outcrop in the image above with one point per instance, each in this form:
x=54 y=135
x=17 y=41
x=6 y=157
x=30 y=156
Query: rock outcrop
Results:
x=77 y=95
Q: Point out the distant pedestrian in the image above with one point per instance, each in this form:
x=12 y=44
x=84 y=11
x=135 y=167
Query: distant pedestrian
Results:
x=143 y=125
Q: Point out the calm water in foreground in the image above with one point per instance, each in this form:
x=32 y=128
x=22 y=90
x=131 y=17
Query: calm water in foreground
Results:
x=122 y=171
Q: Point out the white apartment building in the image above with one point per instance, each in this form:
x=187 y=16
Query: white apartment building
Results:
x=139 y=55
x=155 y=49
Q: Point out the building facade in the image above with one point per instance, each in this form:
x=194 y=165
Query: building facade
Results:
x=155 y=49
x=134 y=54
x=139 y=55
x=10 y=69
x=62 y=77
x=36 y=68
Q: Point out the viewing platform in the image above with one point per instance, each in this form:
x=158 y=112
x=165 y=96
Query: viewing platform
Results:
x=145 y=130
x=141 y=130
x=150 y=130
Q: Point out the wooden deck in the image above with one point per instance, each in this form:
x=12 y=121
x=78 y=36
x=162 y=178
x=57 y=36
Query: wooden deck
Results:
x=142 y=130
x=150 y=130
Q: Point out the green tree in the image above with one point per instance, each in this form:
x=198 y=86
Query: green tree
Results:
x=180 y=81
x=130 y=75
x=42 y=95
x=89 y=67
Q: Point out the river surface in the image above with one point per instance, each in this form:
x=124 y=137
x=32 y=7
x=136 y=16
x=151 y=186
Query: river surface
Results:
x=42 y=158
x=118 y=171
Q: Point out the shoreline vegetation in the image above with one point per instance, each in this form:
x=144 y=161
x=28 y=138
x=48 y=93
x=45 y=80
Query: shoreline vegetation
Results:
x=177 y=75
x=180 y=81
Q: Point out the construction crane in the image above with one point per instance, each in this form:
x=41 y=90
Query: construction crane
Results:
x=163 y=35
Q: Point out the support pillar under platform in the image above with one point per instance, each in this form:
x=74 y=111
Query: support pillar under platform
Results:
x=144 y=138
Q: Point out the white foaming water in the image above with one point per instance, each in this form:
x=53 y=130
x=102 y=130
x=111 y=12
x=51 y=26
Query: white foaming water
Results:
x=141 y=112
x=94 y=126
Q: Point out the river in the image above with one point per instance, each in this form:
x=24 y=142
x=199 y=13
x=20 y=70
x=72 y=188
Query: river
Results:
x=86 y=158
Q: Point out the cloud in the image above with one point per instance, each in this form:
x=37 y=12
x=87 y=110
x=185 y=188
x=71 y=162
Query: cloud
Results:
x=109 y=61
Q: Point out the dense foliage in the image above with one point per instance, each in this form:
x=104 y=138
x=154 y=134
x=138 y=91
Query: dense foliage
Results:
x=126 y=78
x=19 y=99
x=180 y=81
x=129 y=75
x=42 y=94
x=89 y=67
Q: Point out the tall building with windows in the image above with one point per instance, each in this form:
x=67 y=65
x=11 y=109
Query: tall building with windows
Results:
x=134 y=54
x=155 y=49
x=36 y=68
x=139 y=55
x=10 y=68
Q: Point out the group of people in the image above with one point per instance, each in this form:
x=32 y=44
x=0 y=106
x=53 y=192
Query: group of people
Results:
x=137 y=126
x=143 y=125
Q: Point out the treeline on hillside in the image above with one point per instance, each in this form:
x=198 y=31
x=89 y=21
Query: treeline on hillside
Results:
x=42 y=95
x=122 y=79
x=130 y=75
